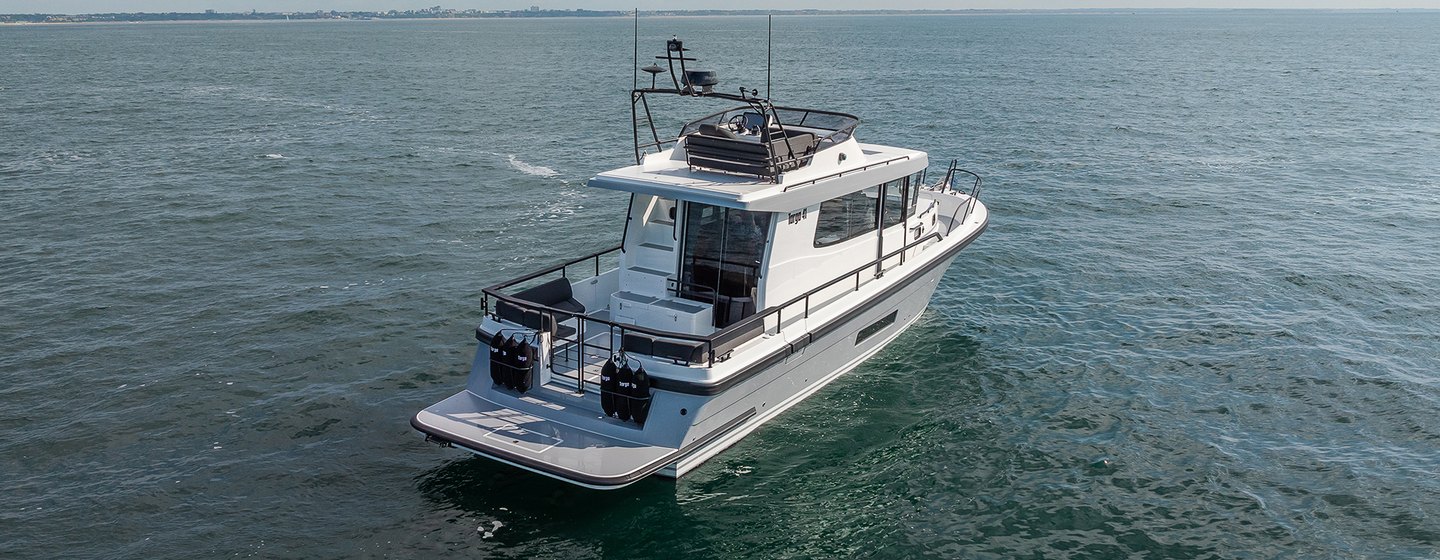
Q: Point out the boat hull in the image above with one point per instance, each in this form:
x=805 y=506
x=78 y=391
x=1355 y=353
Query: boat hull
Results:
x=817 y=365
x=557 y=432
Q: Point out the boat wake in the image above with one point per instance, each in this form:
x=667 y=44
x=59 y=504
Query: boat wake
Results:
x=273 y=100
x=48 y=161
x=530 y=169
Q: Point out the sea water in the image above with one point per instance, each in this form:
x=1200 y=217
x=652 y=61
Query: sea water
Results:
x=235 y=258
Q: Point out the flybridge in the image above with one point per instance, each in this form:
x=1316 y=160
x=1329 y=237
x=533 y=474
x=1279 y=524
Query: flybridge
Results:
x=757 y=139
x=758 y=156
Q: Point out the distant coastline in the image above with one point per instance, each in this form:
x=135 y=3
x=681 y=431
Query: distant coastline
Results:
x=534 y=12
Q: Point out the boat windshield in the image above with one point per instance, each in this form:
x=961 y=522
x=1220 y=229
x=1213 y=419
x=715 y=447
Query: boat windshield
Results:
x=721 y=259
x=832 y=127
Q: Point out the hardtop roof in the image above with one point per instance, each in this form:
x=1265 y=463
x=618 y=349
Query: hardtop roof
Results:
x=842 y=169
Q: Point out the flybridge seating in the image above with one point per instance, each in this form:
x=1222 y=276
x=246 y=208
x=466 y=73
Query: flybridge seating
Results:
x=767 y=153
x=763 y=140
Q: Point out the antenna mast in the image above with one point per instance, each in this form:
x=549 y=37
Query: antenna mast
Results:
x=769 y=28
x=635 y=62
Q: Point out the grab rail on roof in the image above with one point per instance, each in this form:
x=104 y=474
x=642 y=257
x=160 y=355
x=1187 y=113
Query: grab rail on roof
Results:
x=845 y=172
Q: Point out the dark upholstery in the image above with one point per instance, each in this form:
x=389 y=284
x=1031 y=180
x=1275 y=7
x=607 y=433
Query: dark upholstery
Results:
x=552 y=293
x=694 y=352
x=679 y=350
x=730 y=310
x=711 y=147
x=708 y=129
x=798 y=144
x=555 y=293
x=738 y=334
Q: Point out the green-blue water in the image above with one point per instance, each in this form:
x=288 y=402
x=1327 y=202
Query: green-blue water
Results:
x=235 y=258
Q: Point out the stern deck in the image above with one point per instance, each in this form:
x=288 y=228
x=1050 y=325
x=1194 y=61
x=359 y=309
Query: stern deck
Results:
x=552 y=445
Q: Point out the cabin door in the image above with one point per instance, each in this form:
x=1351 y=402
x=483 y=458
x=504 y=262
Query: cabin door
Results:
x=720 y=262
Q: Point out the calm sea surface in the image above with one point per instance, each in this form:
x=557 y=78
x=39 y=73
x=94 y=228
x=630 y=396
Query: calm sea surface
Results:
x=1205 y=322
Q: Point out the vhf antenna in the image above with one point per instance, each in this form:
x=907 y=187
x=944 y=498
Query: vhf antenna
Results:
x=769 y=28
x=635 y=62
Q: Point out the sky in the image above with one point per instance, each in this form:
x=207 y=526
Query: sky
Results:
x=95 y=6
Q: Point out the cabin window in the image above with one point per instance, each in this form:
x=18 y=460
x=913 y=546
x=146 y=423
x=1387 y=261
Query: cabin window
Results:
x=847 y=216
x=914 y=194
x=720 y=264
x=894 y=202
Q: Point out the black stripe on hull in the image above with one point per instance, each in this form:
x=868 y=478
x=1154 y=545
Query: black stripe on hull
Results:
x=711 y=389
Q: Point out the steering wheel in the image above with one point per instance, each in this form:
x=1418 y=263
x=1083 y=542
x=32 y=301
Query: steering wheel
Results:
x=737 y=123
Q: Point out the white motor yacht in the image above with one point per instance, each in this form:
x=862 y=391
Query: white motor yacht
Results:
x=766 y=251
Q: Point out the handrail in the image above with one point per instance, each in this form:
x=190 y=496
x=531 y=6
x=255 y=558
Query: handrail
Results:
x=949 y=183
x=562 y=266
x=832 y=133
x=694 y=125
x=771 y=160
x=708 y=340
x=625 y=233
x=636 y=328
x=771 y=135
x=846 y=172
x=806 y=296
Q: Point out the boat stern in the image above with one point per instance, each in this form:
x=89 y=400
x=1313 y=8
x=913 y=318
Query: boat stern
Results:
x=542 y=445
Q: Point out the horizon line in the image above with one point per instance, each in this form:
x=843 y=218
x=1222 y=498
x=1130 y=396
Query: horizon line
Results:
x=733 y=11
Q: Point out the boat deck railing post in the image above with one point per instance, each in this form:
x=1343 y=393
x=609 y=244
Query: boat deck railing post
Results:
x=707 y=342
x=580 y=361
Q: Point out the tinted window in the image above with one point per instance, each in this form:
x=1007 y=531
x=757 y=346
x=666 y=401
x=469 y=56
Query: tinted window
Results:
x=894 y=203
x=847 y=216
x=915 y=183
x=721 y=259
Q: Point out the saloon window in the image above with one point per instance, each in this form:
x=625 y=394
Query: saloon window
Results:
x=894 y=202
x=845 y=217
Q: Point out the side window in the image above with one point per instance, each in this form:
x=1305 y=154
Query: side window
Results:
x=845 y=217
x=831 y=226
x=911 y=205
x=894 y=202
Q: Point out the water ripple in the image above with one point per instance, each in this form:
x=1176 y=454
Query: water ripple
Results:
x=237 y=258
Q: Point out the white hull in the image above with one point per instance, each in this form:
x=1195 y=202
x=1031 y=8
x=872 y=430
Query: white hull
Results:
x=558 y=433
x=913 y=301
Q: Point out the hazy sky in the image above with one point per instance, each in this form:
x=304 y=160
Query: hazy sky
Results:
x=91 y=6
